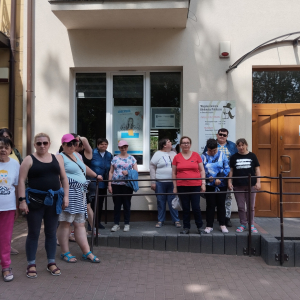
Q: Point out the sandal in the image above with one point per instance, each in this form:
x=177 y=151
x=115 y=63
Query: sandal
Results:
x=13 y=251
x=177 y=224
x=53 y=271
x=253 y=229
x=31 y=271
x=241 y=228
x=66 y=255
x=86 y=258
x=9 y=276
x=159 y=224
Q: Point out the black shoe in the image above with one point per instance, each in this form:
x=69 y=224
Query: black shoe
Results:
x=185 y=231
x=199 y=230
x=228 y=222
x=101 y=226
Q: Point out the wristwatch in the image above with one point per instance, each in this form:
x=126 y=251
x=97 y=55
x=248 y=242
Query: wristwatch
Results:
x=22 y=198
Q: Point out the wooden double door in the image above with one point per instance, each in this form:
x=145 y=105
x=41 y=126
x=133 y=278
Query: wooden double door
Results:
x=276 y=142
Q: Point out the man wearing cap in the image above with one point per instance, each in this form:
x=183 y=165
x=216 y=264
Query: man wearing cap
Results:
x=228 y=148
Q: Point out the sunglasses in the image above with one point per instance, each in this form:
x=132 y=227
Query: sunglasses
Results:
x=73 y=143
x=123 y=147
x=222 y=134
x=42 y=143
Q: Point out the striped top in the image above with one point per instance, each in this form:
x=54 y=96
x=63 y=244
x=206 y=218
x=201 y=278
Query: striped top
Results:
x=77 y=197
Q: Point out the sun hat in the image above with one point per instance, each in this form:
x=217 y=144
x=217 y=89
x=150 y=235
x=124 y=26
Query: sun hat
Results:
x=122 y=143
x=67 y=138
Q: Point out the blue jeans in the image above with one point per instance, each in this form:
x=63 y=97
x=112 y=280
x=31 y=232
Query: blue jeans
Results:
x=165 y=187
x=186 y=201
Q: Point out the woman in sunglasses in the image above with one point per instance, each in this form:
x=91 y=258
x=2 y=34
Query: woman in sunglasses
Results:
x=120 y=165
x=44 y=199
x=76 y=211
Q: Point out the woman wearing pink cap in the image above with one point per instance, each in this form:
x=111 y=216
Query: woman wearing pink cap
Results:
x=75 y=213
x=120 y=165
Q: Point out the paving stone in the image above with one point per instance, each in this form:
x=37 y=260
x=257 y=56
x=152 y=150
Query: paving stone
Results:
x=183 y=242
x=218 y=243
x=297 y=253
x=241 y=242
x=113 y=241
x=289 y=249
x=124 y=241
x=102 y=239
x=148 y=241
x=206 y=243
x=136 y=242
x=269 y=247
x=256 y=243
x=171 y=242
x=195 y=244
x=230 y=243
x=159 y=242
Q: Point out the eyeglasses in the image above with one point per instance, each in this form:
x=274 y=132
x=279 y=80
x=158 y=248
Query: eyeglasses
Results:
x=73 y=143
x=185 y=143
x=42 y=143
x=222 y=134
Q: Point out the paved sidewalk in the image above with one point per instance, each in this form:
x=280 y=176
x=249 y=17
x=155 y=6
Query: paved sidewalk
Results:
x=142 y=274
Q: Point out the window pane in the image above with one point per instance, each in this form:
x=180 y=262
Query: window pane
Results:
x=128 y=91
x=276 y=86
x=165 y=108
x=91 y=106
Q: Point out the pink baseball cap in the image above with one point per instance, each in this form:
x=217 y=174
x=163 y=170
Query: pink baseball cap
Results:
x=67 y=138
x=122 y=143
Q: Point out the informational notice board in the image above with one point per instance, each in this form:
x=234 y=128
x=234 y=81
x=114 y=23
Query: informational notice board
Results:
x=128 y=126
x=214 y=115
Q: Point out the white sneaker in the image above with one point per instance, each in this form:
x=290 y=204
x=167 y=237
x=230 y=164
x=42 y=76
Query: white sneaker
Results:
x=115 y=228
x=208 y=230
x=126 y=227
x=224 y=229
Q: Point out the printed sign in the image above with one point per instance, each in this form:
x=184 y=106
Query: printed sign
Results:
x=128 y=126
x=164 y=121
x=214 y=115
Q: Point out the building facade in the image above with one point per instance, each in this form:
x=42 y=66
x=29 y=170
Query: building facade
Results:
x=103 y=66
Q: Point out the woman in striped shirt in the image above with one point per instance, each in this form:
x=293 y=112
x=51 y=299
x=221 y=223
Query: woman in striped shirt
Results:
x=76 y=212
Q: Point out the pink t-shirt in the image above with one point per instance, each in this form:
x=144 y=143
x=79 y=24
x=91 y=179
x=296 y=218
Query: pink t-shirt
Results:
x=188 y=168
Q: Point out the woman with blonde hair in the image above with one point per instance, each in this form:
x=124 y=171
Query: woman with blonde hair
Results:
x=44 y=199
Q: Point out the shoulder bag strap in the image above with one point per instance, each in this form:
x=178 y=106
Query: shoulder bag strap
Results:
x=74 y=162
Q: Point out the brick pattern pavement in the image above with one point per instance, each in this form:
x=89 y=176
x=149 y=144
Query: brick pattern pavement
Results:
x=144 y=274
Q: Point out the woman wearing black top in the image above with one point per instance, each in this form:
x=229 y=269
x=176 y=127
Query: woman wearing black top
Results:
x=46 y=174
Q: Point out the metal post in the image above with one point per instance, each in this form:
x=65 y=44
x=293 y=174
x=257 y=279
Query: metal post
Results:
x=94 y=219
x=281 y=222
x=105 y=199
x=249 y=216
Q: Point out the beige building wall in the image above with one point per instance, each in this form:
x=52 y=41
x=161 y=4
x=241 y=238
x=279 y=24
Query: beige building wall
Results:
x=195 y=50
x=5 y=14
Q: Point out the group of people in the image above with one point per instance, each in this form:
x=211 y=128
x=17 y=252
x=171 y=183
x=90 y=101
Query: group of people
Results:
x=60 y=190
x=179 y=173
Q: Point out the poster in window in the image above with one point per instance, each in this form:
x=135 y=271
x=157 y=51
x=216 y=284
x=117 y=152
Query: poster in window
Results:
x=214 y=115
x=128 y=126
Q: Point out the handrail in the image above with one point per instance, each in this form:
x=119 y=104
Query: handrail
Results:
x=95 y=239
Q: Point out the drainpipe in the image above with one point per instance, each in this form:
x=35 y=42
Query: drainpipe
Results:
x=29 y=77
x=12 y=92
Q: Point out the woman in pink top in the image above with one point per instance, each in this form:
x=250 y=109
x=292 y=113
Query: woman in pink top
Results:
x=188 y=164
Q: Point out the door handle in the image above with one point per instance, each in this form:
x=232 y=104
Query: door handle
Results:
x=290 y=164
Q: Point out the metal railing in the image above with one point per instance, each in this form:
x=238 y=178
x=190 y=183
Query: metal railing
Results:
x=249 y=250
